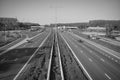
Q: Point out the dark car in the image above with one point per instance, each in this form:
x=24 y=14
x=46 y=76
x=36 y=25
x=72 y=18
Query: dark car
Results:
x=81 y=41
x=29 y=41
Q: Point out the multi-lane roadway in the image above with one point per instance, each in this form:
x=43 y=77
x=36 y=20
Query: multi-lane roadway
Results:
x=12 y=61
x=59 y=55
x=99 y=64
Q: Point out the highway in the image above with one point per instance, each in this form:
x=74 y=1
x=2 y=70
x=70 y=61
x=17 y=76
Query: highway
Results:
x=52 y=61
x=13 y=60
x=111 y=44
x=59 y=55
x=25 y=34
x=98 y=64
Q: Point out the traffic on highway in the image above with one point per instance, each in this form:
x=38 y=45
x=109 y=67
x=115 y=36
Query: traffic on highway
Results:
x=59 y=40
x=55 y=54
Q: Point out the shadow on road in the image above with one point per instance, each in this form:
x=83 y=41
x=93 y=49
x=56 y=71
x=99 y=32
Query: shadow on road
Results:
x=14 y=57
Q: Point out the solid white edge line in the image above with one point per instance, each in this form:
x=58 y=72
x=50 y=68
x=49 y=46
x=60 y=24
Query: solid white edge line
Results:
x=97 y=46
x=49 y=67
x=31 y=57
x=85 y=71
x=17 y=40
x=10 y=43
x=16 y=45
x=61 y=69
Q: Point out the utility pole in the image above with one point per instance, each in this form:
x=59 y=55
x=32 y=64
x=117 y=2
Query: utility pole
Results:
x=5 y=31
x=55 y=8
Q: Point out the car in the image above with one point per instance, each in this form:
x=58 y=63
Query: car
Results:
x=81 y=41
x=29 y=41
x=93 y=37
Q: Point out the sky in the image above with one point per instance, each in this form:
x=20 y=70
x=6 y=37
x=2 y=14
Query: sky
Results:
x=60 y=11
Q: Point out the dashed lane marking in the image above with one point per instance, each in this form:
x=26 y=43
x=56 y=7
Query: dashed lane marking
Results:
x=85 y=71
x=109 y=56
x=90 y=51
x=31 y=58
x=107 y=76
x=90 y=60
x=102 y=59
x=81 y=51
x=105 y=49
x=112 y=58
x=24 y=45
x=116 y=61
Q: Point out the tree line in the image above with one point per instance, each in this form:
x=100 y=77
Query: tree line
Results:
x=14 y=24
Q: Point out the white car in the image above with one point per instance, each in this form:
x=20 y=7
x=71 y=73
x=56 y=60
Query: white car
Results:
x=94 y=37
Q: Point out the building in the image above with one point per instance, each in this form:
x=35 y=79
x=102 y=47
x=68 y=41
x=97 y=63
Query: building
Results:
x=33 y=28
x=67 y=27
x=96 y=29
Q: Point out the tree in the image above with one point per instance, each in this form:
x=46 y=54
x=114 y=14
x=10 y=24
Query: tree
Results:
x=2 y=26
x=109 y=29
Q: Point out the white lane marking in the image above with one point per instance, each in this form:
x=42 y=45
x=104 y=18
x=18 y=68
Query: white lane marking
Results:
x=83 y=46
x=2 y=60
x=102 y=59
x=61 y=69
x=16 y=59
x=109 y=56
x=50 y=61
x=105 y=54
x=19 y=43
x=87 y=48
x=116 y=61
x=90 y=51
x=32 y=46
x=107 y=76
x=76 y=46
x=14 y=46
x=90 y=60
x=30 y=58
x=112 y=58
x=10 y=43
x=24 y=45
x=26 y=51
x=81 y=51
x=85 y=71
x=105 y=49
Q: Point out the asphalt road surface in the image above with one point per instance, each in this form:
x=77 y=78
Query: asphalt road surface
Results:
x=12 y=61
x=98 y=64
x=59 y=55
